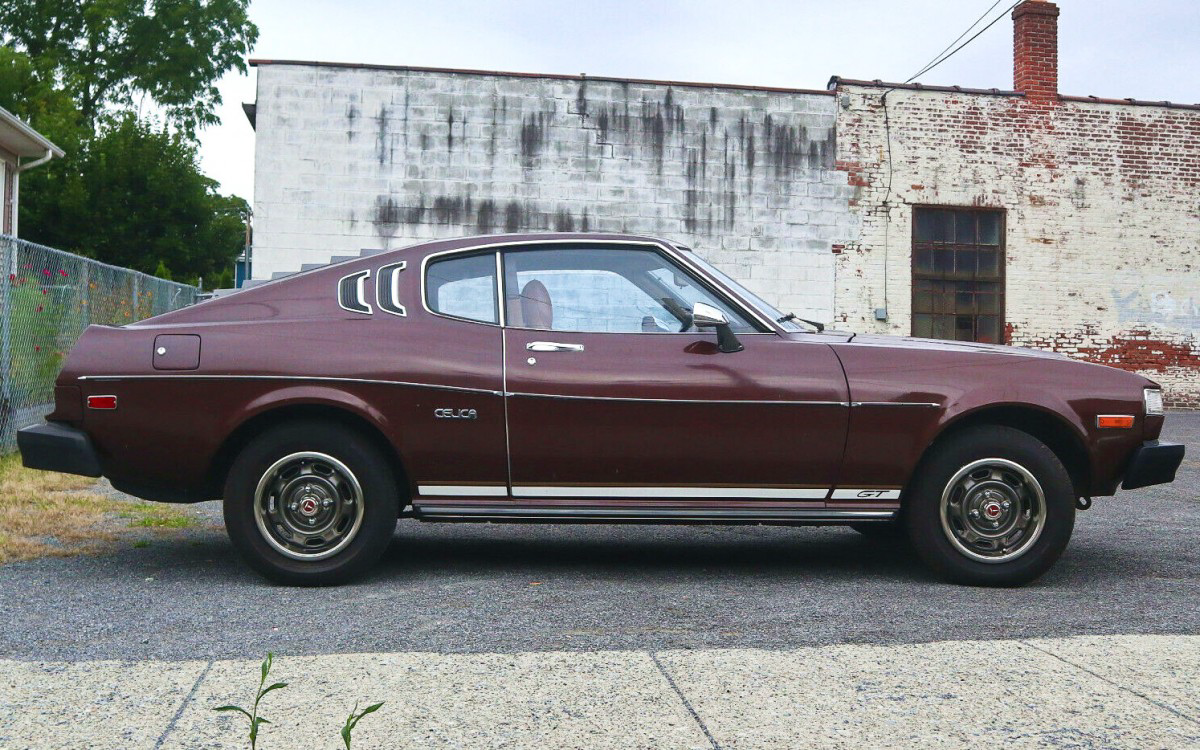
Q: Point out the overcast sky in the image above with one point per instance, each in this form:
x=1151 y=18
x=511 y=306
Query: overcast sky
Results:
x=1146 y=49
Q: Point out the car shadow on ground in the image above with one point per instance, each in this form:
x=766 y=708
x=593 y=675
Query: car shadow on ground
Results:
x=437 y=552
x=637 y=551
x=829 y=554
x=421 y=550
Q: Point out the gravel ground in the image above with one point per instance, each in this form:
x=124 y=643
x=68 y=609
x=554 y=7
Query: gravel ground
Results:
x=1131 y=569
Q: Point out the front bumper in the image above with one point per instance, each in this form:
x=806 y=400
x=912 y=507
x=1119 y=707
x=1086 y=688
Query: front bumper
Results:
x=57 y=447
x=1154 y=462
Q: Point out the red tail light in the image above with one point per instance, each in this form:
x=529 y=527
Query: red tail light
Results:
x=102 y=402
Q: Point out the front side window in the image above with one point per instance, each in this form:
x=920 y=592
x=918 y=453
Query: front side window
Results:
x=463 y=287
x=755 y=301
x=604 y=290
x=958 y=274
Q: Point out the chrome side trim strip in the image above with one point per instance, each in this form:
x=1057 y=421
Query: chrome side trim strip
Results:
x=305 y=378
x=783 y=493
x=462 y=490
x=650 y=514
x=463 y=389
x=866 y=494
x=677 y=400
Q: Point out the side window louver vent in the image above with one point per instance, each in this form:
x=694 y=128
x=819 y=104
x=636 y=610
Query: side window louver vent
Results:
x=352 y=293
x=387 y=288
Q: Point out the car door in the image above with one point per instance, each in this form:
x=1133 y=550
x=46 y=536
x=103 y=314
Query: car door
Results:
x=453 y=434
x=609 y=402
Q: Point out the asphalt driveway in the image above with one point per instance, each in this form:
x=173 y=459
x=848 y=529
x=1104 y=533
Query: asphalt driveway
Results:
x=1133 y=567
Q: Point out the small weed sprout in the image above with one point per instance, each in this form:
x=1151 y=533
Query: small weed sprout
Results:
x=252 y=715
x=353 y=719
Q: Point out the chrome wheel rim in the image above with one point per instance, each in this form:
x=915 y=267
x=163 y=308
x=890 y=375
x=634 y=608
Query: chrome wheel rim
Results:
x=308 y=506
x=993 y=510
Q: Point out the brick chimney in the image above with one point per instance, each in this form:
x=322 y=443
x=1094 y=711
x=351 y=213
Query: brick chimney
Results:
x=1035 y=49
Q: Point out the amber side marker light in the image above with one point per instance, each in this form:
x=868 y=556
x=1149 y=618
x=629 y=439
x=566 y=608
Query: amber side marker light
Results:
x=1118 y=421
x=102 y=402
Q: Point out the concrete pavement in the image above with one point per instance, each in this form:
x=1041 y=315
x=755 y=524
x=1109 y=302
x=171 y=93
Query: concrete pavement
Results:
x=1109 y=691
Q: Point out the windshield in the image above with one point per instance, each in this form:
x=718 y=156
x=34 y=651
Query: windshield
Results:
x=763 y=306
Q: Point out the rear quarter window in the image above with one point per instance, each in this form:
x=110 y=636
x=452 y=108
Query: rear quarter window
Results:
x=463 y=287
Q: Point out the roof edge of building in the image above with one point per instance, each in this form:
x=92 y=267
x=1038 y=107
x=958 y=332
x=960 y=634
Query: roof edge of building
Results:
x=256 y=62
x=1128 y=102
x=836 y=81
x=24 y=129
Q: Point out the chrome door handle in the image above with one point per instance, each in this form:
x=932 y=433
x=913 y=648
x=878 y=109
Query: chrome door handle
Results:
x=551 y=346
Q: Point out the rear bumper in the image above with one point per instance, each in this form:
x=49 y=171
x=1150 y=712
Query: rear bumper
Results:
x=1154 y=462
x=57 y=447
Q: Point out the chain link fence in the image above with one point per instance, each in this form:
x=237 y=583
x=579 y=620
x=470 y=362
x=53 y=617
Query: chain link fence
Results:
x=47 y=298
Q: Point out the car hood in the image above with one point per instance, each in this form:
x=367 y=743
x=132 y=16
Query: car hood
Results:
x=907 y=342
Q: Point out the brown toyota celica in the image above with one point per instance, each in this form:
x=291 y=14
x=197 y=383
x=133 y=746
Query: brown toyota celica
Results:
x=586 y=378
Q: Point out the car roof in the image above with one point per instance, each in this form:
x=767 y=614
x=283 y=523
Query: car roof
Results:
x=428 y=247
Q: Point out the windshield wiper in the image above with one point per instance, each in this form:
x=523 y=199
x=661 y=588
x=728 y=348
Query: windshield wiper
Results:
x=792 y=316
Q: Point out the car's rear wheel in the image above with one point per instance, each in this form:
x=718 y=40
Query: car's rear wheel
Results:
x=311 y=503
x=992 y=507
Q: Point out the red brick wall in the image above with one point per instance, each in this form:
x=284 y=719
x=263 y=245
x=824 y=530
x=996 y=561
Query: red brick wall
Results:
x=1102 y=207
x=1035 y=49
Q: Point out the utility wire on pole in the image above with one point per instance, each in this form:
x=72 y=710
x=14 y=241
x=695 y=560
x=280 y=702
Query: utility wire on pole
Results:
x=956 y=41
x=943 y=56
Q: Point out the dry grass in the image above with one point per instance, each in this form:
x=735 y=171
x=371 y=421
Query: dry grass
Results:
x=47 y=514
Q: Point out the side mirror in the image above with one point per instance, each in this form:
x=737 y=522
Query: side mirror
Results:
x=707 y=316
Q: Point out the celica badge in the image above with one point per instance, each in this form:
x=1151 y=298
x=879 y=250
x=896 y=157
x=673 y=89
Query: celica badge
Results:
x=455 y=414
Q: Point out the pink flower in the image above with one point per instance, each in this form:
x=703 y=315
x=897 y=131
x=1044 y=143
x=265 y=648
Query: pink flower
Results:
x=37 y=348
x=39 y=308
x=46 y=271
x=62 y=273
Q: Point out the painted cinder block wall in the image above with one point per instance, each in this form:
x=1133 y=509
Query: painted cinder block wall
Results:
x=1102 y=205
x=365 y=157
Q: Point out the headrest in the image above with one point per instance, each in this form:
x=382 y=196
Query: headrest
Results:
x=536 y=308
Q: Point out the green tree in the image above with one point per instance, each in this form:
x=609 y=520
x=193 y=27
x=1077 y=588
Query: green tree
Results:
x=30 y=93
x=125 y=193
x=134 y=196
x=107 y=54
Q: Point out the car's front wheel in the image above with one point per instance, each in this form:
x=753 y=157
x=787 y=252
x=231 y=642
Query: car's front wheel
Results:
x=310 y=504
x=992 y=507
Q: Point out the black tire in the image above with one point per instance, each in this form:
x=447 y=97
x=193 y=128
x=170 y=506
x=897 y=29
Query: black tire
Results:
x=882 y=531
x=369 y=527
x=996 y=449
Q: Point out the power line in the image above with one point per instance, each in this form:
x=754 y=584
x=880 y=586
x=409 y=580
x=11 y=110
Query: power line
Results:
x=938 y=61
x=956 y=41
